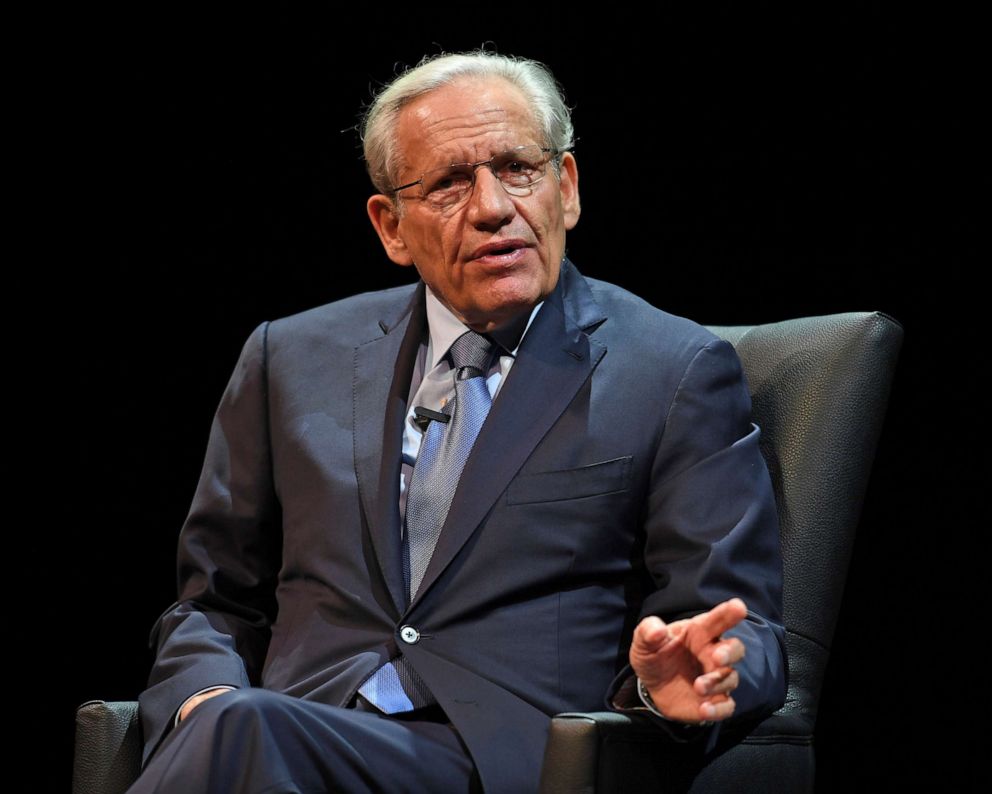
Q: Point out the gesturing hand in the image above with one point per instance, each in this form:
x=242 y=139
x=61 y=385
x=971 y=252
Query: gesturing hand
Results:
x=687 y=666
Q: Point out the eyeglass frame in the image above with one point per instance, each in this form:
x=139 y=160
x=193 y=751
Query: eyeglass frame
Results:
x=553 y=153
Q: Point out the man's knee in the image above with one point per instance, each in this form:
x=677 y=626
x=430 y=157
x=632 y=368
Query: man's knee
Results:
x=231 y=742
x=238 y=709
x=256 y=739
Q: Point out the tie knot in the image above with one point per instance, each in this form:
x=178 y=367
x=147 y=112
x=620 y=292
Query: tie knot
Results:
x=472 y=350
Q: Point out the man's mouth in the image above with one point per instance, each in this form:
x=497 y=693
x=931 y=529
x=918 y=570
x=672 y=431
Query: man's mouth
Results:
x=500 y=251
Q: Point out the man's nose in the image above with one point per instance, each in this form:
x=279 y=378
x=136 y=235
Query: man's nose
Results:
x=489 y=203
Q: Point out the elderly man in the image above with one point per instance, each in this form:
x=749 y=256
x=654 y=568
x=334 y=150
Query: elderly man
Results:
x=434 y=516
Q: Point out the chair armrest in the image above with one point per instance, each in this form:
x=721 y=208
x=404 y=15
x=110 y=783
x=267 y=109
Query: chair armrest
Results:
x=108 y=747
x=610 y=751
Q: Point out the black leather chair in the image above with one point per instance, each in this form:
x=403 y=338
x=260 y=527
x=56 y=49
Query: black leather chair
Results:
x=108 y=747
x=819 y=386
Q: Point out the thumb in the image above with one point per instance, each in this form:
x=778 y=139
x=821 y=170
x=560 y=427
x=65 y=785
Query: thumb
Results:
x=650 y=636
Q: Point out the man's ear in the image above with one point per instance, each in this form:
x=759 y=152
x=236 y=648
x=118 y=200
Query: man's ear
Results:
x=568 y=183
x=382 y=213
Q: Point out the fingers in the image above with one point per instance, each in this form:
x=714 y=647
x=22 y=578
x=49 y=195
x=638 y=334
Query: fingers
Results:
x=721 y=618
x=727 y=652
x=704 y=635
x=715 y=687
x=718 y=682
x=718 y=709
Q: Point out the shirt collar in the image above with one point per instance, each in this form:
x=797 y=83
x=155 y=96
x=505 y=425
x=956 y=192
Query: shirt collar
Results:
x=445 y=328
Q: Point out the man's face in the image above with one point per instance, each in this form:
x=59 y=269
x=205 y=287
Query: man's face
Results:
x=495 y=255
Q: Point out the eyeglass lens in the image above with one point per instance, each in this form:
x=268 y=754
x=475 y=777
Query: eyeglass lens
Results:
x=517 y=169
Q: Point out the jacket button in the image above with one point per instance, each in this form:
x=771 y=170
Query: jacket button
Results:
x=409 y=635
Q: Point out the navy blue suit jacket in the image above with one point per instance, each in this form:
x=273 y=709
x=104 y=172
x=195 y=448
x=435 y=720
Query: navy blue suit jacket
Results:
x=617 y=475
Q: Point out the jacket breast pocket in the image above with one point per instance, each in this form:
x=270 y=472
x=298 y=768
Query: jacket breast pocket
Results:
x=596 y=479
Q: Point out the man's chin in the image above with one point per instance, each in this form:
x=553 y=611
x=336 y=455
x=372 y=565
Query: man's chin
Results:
x=500 y=299
x=497 y=315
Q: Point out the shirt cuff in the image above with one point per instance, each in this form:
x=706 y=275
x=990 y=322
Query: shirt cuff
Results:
x=179 y=711
x=626 y=698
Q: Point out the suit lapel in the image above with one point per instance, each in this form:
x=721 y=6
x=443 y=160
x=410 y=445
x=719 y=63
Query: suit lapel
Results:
x=555 y=359
x=383 y=370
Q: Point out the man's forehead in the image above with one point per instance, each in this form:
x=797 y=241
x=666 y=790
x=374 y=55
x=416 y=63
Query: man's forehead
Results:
x=464 y=117
x=443 y=120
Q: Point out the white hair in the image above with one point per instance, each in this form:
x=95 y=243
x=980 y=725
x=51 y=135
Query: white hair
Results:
x=533 y=78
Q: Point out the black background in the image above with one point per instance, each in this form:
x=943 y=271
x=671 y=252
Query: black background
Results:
x=737 y=166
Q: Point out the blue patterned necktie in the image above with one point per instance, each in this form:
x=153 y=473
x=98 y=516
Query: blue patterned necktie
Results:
x=443 y=453
x=395 y=687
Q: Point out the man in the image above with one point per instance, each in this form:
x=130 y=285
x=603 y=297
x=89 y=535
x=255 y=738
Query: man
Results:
x=432 y=517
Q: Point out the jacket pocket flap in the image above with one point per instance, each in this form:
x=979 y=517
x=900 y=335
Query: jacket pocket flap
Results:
x=608 y=476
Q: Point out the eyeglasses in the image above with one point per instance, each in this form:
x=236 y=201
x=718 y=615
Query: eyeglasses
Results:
x=517 y=170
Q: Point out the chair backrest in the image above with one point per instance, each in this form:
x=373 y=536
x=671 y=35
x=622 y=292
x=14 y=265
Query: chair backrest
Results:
x=819 y=388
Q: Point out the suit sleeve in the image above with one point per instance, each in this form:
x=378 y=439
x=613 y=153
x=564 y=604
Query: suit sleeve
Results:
x=711 y=526
x=229 y=554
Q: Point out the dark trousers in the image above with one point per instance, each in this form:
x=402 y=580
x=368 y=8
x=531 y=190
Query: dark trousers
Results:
x=262 y=742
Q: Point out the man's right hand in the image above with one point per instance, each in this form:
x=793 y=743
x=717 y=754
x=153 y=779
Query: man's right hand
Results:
x=196 y=700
